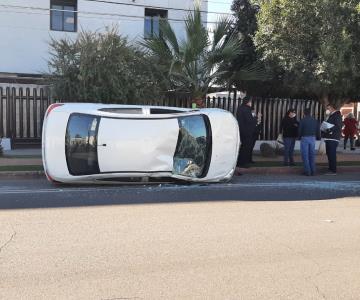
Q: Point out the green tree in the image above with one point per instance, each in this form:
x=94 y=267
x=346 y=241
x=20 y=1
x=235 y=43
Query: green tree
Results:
x=103 y=67
x=245 y=27
x=195 y=63
x=314 y=44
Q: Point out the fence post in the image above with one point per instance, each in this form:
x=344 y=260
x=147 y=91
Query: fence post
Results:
x=21 y=112
x=2 y=133
x=28 y=114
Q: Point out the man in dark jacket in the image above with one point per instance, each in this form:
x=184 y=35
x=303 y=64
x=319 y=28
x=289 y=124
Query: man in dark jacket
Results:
x=309 y=131
x=332 y=136
x=257 y=132
x=247 y=126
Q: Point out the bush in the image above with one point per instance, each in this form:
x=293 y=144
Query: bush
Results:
x=267 y=150
x=103 y=67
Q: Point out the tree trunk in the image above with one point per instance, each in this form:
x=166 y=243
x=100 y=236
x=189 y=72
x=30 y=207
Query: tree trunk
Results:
x=336 y=102
x=324 y=99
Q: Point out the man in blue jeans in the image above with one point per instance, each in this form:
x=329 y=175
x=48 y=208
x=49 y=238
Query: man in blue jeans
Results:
x=309 y=132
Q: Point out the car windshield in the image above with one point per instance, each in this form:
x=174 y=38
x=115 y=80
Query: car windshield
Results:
x=81 y=144
x=192 y=153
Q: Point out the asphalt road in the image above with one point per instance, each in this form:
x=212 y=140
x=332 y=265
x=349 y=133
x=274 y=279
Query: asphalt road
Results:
x=39 y=193
x=182 y=242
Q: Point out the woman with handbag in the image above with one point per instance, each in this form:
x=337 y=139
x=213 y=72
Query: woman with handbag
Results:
x=289 y=128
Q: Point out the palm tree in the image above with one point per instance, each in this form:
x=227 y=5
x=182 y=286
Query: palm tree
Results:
x=197 y=62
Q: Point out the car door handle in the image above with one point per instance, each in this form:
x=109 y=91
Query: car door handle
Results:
x=102 y=145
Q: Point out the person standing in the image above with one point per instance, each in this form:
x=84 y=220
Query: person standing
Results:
x=247 y=126
x=350 y=130
x=332 y=136
x=256 y=133
x=289 y=128
x=309 y=132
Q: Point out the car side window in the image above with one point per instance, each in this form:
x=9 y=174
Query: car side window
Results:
x=81 y=144
x=192 y=153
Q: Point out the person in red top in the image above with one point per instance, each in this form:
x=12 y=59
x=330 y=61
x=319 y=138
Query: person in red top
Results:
x=350 y=130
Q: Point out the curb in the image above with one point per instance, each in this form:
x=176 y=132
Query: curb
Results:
x=22 y=173
x=253 y=170
x=293 y=170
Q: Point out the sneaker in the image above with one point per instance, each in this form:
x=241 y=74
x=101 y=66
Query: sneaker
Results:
x=352 y=149
x=330 y=174
x=292 y=164
x=306 y=174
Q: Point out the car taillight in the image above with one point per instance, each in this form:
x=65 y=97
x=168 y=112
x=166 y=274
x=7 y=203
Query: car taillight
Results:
x=52 y=180
x=51 y=107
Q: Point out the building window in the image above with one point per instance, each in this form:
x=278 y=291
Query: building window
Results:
x=63 y=16
x=152 y=19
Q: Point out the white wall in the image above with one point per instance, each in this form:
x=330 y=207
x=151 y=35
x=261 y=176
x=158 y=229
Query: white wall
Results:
x=25 y=33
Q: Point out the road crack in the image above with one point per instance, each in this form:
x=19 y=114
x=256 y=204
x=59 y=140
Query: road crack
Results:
x=8 y=241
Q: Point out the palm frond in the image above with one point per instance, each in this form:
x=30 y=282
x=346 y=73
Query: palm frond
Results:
x=254 y=71
x=169 y=36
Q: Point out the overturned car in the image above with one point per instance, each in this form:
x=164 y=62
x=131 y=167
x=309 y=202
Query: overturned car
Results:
x=84 y=143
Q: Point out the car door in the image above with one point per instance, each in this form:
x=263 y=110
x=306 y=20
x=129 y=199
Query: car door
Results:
x=137 y=145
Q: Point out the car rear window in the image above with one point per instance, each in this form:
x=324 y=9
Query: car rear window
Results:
x=81 y=144
x=193 y=150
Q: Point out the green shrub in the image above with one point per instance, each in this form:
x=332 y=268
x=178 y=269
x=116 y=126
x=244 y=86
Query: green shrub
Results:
x=103 y=67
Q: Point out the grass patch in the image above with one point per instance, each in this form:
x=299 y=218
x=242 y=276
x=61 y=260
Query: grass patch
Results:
x=21 y=168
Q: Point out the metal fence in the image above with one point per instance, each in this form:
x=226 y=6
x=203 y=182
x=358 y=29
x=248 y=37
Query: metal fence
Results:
x=22 y=112
x=272 y=109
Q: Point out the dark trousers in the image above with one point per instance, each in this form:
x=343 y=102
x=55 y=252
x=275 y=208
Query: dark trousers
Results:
x=245 y=152
x=252 y=149
x=351 y=141
x=289 y=145
x=331 y=154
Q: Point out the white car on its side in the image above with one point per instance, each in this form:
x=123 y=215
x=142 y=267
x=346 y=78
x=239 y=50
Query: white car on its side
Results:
x=83 y=143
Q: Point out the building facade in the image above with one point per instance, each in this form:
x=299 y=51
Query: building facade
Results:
x=27 y=26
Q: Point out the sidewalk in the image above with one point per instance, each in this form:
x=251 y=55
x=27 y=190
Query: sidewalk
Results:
x=23 y=152
x=348 y=161
x=21 y=157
